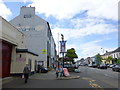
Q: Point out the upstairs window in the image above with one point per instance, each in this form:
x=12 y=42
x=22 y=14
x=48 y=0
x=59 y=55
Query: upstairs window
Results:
x=27 y=16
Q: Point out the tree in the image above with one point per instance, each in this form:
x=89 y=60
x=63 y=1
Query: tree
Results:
x=118 y=61
x=109 y=58
x=98 y=59
x=115 y=60
x=71 y=54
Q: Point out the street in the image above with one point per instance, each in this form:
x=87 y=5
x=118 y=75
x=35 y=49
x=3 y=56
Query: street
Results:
x=89 y=78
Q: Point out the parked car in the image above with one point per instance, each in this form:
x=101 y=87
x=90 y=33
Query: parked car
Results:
x=81 y=64
x=42 y=69
x=112 y=65
x=108 y=65
x=102 y=66
x=76 y=66
x=116 y=68
x=77 y=70
x=68 y=65
x=90 y=65
x=94 y=65
x=85 y=64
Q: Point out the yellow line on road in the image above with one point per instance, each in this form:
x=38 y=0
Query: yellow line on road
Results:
x=93 y=84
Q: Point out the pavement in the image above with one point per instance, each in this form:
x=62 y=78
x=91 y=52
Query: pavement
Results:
x=51 y=75
x=8 y=79
x=88 y=78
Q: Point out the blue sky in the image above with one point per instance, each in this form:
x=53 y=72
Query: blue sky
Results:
x=87 y=25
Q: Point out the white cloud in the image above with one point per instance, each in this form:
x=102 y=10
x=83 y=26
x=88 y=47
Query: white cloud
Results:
x=5 y=12
x=101 y=29
x=89 y=49
x=17 y=1
x=92 y=48
x=68 y=8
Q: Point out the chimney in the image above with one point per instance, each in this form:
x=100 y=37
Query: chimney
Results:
x=27 y=11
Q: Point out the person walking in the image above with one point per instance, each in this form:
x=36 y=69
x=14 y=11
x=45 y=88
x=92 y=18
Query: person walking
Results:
x=57 y=72
x=26 y=73
x=61 y=71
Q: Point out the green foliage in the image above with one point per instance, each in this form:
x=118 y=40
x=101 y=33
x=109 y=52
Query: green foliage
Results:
x=118 y=61
x=114 y=60
x=98 y=58
x=109 y=58
x=71 y=53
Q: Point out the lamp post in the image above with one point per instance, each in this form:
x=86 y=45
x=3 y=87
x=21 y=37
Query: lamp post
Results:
x=63 y=44
x=62 y=37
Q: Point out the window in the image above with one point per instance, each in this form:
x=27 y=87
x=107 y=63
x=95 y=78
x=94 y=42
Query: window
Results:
x=114 y=55
x=117 y=55
x=27 y=16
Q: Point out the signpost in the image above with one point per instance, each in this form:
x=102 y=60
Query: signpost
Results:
x=62 y=47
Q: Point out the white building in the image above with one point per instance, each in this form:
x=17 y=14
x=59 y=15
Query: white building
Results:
x=116 y=53
x=37 y=32
x=53 y=51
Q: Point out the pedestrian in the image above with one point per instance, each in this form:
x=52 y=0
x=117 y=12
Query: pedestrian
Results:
x=57 y=72
x=26 y=72
x=54 y=67
x=61 y=71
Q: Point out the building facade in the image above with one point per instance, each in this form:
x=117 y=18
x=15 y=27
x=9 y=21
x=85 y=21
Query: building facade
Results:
x=12 y=39
x=116 y=53
x=38 y=33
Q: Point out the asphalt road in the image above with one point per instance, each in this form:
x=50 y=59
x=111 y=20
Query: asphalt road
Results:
x=101 y=77
x=89 y=78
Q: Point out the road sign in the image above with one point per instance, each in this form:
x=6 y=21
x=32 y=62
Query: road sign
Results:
x=44 y=51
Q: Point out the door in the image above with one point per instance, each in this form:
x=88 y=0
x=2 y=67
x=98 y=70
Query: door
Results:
x=6 y=58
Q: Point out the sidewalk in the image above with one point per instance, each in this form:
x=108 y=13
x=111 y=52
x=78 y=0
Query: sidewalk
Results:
x=8 y=79
x=51 y=75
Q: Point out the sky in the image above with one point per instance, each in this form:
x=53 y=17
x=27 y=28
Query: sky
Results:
x=89 y=26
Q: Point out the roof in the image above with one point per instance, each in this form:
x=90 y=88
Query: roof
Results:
x=117 y=50
x=25 y=51
x=107 y=53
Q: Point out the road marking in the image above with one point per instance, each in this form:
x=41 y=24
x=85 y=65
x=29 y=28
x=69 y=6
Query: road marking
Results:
x=93 y=84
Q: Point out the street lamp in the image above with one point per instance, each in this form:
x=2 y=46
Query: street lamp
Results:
x=63 y=46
